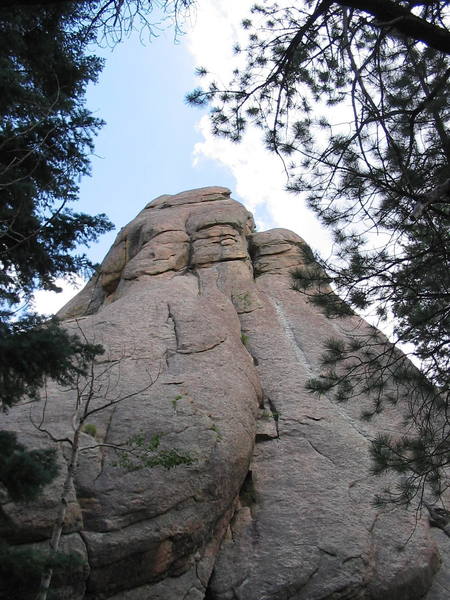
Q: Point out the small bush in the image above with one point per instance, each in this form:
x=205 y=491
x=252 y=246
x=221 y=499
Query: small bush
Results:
x=90 y=429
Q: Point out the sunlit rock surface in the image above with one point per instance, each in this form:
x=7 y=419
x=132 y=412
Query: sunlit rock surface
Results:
x=207 y=345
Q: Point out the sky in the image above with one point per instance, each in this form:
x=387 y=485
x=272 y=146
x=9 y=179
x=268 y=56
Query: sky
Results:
x=153 y=143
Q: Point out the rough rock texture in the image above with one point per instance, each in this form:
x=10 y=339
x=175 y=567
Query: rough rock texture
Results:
x=208 y=346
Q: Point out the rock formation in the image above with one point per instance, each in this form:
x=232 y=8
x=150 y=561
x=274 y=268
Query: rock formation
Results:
x=207 y=346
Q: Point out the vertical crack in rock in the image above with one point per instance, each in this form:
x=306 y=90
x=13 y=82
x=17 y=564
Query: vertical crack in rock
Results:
x=275 y=414
x=190 y=261
x=167 y=354
x=301 y=357
x=171 y=320
x=247 y=493
x=199 y=281
x=253 y=383
x=299 y=353
x=267 y=422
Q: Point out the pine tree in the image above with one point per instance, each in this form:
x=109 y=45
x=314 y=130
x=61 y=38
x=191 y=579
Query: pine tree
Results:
x=111 y=21
x=46 y=135
x=380 y=180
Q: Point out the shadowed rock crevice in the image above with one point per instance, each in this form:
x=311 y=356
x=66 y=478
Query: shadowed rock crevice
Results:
x=274 y=414
x=278 y=502
x=247 y=493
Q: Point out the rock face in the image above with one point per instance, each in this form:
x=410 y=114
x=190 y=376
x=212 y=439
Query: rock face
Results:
x=207 y=346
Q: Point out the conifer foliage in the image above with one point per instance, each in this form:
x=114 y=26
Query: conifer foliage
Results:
x=46 y=138
x=46 y=135
x=353 y=97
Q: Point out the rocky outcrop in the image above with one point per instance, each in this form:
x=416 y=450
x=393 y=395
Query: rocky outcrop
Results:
x=208 y=347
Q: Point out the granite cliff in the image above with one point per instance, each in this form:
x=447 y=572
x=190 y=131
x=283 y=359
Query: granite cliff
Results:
x=209 y=349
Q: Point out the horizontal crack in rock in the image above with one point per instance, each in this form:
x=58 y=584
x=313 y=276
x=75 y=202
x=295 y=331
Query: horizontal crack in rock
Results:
x=202 y=349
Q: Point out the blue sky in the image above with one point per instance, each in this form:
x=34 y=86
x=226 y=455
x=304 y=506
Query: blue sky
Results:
x=146 y=147
x=153 y=143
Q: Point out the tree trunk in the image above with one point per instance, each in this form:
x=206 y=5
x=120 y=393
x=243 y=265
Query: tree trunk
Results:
x=47 y=575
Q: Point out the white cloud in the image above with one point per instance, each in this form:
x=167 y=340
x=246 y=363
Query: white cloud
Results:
x=216 y=29
x=48 y=303
x=260 y=183
x=260 y=178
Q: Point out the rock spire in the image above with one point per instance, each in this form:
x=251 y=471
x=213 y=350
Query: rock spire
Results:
x=210 y=349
